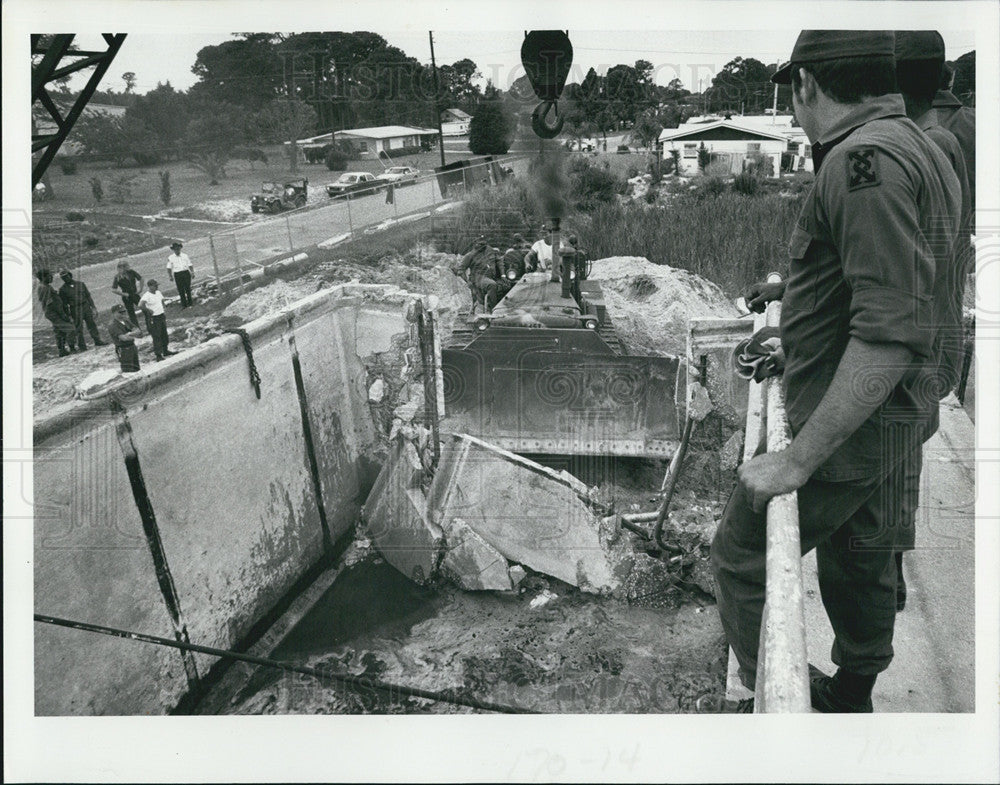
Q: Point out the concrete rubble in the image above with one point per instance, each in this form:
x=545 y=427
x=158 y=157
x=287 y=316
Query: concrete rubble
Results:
x=490 y=518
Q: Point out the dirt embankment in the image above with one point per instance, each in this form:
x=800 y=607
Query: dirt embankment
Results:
x=651 y=303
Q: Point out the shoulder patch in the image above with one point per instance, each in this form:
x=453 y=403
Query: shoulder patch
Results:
x=862 y=168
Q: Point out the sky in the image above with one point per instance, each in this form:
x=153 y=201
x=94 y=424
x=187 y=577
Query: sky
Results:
x=692 y=56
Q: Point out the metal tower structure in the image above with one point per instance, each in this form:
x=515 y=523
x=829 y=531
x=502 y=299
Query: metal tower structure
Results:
x=59 y=60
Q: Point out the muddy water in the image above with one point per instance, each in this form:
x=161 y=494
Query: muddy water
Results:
x=570 y=654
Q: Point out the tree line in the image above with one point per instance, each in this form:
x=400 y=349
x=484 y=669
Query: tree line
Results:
x=265 y=88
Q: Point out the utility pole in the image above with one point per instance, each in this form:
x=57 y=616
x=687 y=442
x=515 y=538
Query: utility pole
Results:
x=437 y=97
x=292 y=126
x=774 y=107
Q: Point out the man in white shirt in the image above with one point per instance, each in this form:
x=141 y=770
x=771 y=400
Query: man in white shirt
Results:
x=151 y=304
x=181 y=271
x=540 y=255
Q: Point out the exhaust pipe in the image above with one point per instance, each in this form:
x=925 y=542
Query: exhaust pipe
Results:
x=558 y=271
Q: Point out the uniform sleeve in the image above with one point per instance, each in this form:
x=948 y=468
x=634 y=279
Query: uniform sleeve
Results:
x=871 y=205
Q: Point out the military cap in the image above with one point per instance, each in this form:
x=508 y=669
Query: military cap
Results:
x=813 y=46
x=919 y=45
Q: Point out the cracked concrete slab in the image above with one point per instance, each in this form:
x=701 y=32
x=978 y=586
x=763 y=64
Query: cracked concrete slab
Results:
x=397 y=518
x=531 y=514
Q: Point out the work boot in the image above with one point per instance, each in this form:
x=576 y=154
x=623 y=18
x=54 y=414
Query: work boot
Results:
x=712 y=704
x=100 y=343
x=842 y=693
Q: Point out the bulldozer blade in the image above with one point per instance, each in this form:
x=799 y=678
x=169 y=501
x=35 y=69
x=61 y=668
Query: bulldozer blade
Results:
x=555 y=391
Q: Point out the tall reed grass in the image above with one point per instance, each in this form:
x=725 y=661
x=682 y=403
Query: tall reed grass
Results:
x=730 y=239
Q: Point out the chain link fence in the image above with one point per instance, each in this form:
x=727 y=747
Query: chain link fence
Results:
x=237 y=254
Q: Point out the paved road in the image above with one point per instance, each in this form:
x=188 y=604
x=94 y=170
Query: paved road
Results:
x=262 y=240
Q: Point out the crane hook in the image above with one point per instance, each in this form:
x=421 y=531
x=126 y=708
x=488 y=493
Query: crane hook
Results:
x=539 y=124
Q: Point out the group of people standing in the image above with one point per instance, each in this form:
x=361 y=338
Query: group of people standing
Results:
x=72 y=307
x=491 y=274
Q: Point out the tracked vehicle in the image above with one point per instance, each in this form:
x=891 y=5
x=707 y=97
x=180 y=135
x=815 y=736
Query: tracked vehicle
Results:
x=547 y=373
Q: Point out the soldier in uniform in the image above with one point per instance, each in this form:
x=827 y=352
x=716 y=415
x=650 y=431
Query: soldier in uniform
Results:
x=868 y=275
x=960 y=120
x=481 y=268
x=919 y=60
x=513 y=258
x=55 y=311
x=80 y=306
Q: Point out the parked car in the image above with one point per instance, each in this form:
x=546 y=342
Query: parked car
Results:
x=350 y=182
x=583 y=145
x=399 y=175
x=273 y=198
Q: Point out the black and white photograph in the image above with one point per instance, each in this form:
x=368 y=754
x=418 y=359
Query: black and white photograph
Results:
x=501 y=392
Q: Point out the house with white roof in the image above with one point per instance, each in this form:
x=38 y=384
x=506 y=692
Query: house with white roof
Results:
x=369 y=142
x=729 y=141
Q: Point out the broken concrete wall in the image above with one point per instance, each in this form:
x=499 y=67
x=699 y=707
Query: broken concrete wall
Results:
x=485 y=512
x=232 y=498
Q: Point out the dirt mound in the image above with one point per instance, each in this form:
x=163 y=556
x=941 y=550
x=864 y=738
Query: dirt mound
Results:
x=651 y=303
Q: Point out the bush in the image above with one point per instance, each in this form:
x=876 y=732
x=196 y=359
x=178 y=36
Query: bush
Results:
x=592 y=185
x=651 y=195
x=632 y=171
x=655 y=172
x=165 y=188
x=490 y=130
x=623 y=148
x=146 y=157
x=704 y=157
x=710 y=186
x=91 y=242
x=746 y=183
x=75 y=217
x=317 y=154
x=761 y=165
x=96 y=189
x=68 y=165
x=399 y=152
x=800 y=182
x=336 y=160
x=121 y=188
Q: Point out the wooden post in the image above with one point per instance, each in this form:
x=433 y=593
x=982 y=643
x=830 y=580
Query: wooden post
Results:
x=288 y=226
x=350 y=220
x=239 y=265
x=215 y=265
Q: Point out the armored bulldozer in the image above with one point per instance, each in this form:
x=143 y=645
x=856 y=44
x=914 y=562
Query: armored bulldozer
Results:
x=547 y=373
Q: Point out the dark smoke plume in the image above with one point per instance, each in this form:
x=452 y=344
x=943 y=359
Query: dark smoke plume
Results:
x=548 y=181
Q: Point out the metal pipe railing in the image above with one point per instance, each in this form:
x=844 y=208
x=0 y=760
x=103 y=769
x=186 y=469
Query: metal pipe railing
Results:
x=782 y=667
